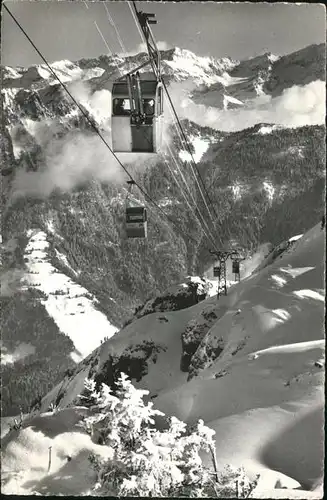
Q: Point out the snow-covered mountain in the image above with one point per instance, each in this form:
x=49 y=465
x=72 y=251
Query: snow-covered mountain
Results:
x=254 y=374
x=66 y=264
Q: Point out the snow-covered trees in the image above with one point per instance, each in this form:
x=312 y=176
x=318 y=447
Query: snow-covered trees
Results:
x=147 y=461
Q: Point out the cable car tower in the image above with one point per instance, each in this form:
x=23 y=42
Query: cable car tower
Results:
x=220 y=270
x=137 y=101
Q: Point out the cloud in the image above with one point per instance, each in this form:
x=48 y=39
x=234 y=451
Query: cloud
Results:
x=296 y=107
x=20 y=352
x=80 y=156
x=161 y=44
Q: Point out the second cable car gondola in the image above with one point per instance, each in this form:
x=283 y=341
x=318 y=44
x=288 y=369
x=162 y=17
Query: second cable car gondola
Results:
x=137 y=114
x=136 y=222
x=136 y=217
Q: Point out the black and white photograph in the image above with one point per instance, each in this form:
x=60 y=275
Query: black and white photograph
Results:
x=163 y=186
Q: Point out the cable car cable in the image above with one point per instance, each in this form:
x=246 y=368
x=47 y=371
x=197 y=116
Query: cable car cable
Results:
x=135 y=19
x=188 y=203
x=93 y=125
x=135 y=16
x=190 y=193
x=111 y=21
x=189 y=150
x=146 y=36
x=174 y=159
x=110 y=52
x=180 y=126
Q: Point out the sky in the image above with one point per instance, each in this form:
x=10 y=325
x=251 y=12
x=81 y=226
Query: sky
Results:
x=70 y=29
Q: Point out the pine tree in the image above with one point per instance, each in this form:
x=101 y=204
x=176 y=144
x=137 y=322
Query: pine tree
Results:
x=147 y=461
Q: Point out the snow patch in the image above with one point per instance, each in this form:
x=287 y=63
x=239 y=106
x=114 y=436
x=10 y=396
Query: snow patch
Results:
x=64 y=260
x=165 y=202
x=270 y=189
x=44 y=72
x=266 y=129
x=296 y=271
x=20 y=352
x=50 y=226
x=291 y=348
x=273 y=58
x=69 y=304
x=239 y=189
x=12 y=72
x=201 y=69
x=229 y=99
x=9 y=96
x=295 y=238
x=312 y=294
x=279 y=280
x=296 y=150
x=200 y=147
x=67 y=72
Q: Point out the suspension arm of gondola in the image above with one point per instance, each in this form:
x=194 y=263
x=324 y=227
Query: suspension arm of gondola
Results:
x=145 y=20
x=139 y=92
x=130 y=92
x=225 y=254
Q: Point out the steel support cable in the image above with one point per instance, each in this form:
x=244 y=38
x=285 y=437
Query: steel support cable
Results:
x=191 y=154
x=111 y=21
x=193 y=173
x=94 y=126
x=171 y=109
x=103 y=38
x=181 y=173
x=99 y=31
x=136 y=21
x=185 y=139
x=210 y=238
x=191 y=195
x=172 y=106
x=120 y=40
x=189 y=205
x=187 y=201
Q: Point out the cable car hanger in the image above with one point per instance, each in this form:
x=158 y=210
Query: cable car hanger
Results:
x=137 y=103
x=154 y=59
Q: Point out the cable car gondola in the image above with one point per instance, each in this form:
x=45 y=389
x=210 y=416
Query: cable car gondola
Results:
x=136 y=222
x=137 y=102
x=136 y=218
x=137 y=114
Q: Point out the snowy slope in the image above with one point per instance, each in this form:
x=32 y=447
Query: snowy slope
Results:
x=256 y=378
x=266 y=386
x=69 y=304
x=35 y=76
x=203 y=70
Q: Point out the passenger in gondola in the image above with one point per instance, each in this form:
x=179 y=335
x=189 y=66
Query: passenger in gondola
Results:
x=119 y=109
x=148 y=106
